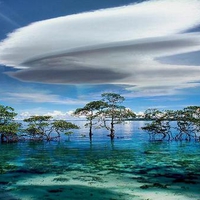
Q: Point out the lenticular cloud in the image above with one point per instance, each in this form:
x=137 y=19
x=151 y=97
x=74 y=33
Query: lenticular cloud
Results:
x=119 y=45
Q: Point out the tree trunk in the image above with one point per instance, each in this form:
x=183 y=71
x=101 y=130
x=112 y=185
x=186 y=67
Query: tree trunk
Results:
x=112 y=130
x=90 y=131
x=2 y=138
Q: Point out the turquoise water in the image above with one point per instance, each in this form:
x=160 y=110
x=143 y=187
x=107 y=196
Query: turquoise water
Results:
x=129 y=168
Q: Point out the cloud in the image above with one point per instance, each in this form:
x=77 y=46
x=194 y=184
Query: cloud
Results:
x=71 y=75
x=40 y=97
x=56 y=114
x=124 y=45
x=191 y=58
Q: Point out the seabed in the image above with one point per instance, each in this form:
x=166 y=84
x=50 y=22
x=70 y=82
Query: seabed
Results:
x=130 y=168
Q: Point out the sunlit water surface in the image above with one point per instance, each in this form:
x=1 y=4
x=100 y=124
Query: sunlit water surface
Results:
x=131 y=167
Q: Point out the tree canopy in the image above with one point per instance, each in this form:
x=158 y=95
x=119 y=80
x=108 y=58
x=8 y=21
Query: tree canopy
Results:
x=91 y=111
x=114 y=112
x=8 y=127
x=43 y=128
x=104 y=113
x=174 y=125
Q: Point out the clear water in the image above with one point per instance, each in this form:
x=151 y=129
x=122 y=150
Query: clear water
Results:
x=129 y=168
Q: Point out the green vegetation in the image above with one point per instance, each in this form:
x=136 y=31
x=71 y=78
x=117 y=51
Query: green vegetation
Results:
x=105 y=113
x=39 y=127
x=62 y=126
x=43 y=128
x=173 y=125
x=114 y=112
x=92 y=112
x=8 y=127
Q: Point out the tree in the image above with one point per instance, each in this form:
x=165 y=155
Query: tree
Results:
x=43 y=128
x=153 y=114
x=7 y=114
x=8 y=127
x=159 y=128
x=188 y=123
x=114 y=113
x=62 y=126
x=9 y=132
x=91 y=111
x=39 y=127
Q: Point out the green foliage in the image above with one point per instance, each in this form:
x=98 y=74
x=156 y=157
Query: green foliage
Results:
x=39 y=127
x=187 y=123
x=117 y=115
x=153 y=114
x=38 y=119
x=43 y=128
x=62 y=126
x=7 y=114
x=113 y=113
x=9 y=132
x=105 y=113
x=158 y=130
x=91 y=111
x=8 y=127
x=112 y=98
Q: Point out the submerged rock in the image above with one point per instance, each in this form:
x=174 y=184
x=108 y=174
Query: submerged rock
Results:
x=159 y=185
x=144 y=186
x=89 y=178
x=61 y=179
x=154 y=185
x=55 y=190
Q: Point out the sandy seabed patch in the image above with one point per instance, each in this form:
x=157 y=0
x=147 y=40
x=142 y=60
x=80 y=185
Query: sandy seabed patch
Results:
x=85 y=186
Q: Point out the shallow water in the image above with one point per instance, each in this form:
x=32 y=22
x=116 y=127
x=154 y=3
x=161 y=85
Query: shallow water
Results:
x=129 y=168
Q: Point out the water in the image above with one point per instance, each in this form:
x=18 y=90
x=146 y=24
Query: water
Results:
x=129 y=168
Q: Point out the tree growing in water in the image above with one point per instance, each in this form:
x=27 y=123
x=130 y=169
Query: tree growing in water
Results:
x=8 y=127
x=159 y=128
x=188 y=123
x=114 y=112
x=91 y=111
x=39 y=127
x=43 y=128
x=62 y=126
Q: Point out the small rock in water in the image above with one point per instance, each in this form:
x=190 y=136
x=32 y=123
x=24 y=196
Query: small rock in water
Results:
x=144 y=186
x=61 y=179
x=55 y=190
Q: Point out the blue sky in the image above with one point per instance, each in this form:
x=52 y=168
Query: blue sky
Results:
x=57 y=55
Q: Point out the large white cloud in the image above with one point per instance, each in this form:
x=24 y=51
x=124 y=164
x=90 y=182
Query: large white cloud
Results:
x=120 y=45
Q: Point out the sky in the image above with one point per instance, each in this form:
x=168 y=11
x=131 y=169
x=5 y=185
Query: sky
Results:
x=58 y=55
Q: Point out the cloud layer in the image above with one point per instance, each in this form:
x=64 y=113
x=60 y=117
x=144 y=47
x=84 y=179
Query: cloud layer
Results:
x=120 y=46
x=39 y=97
